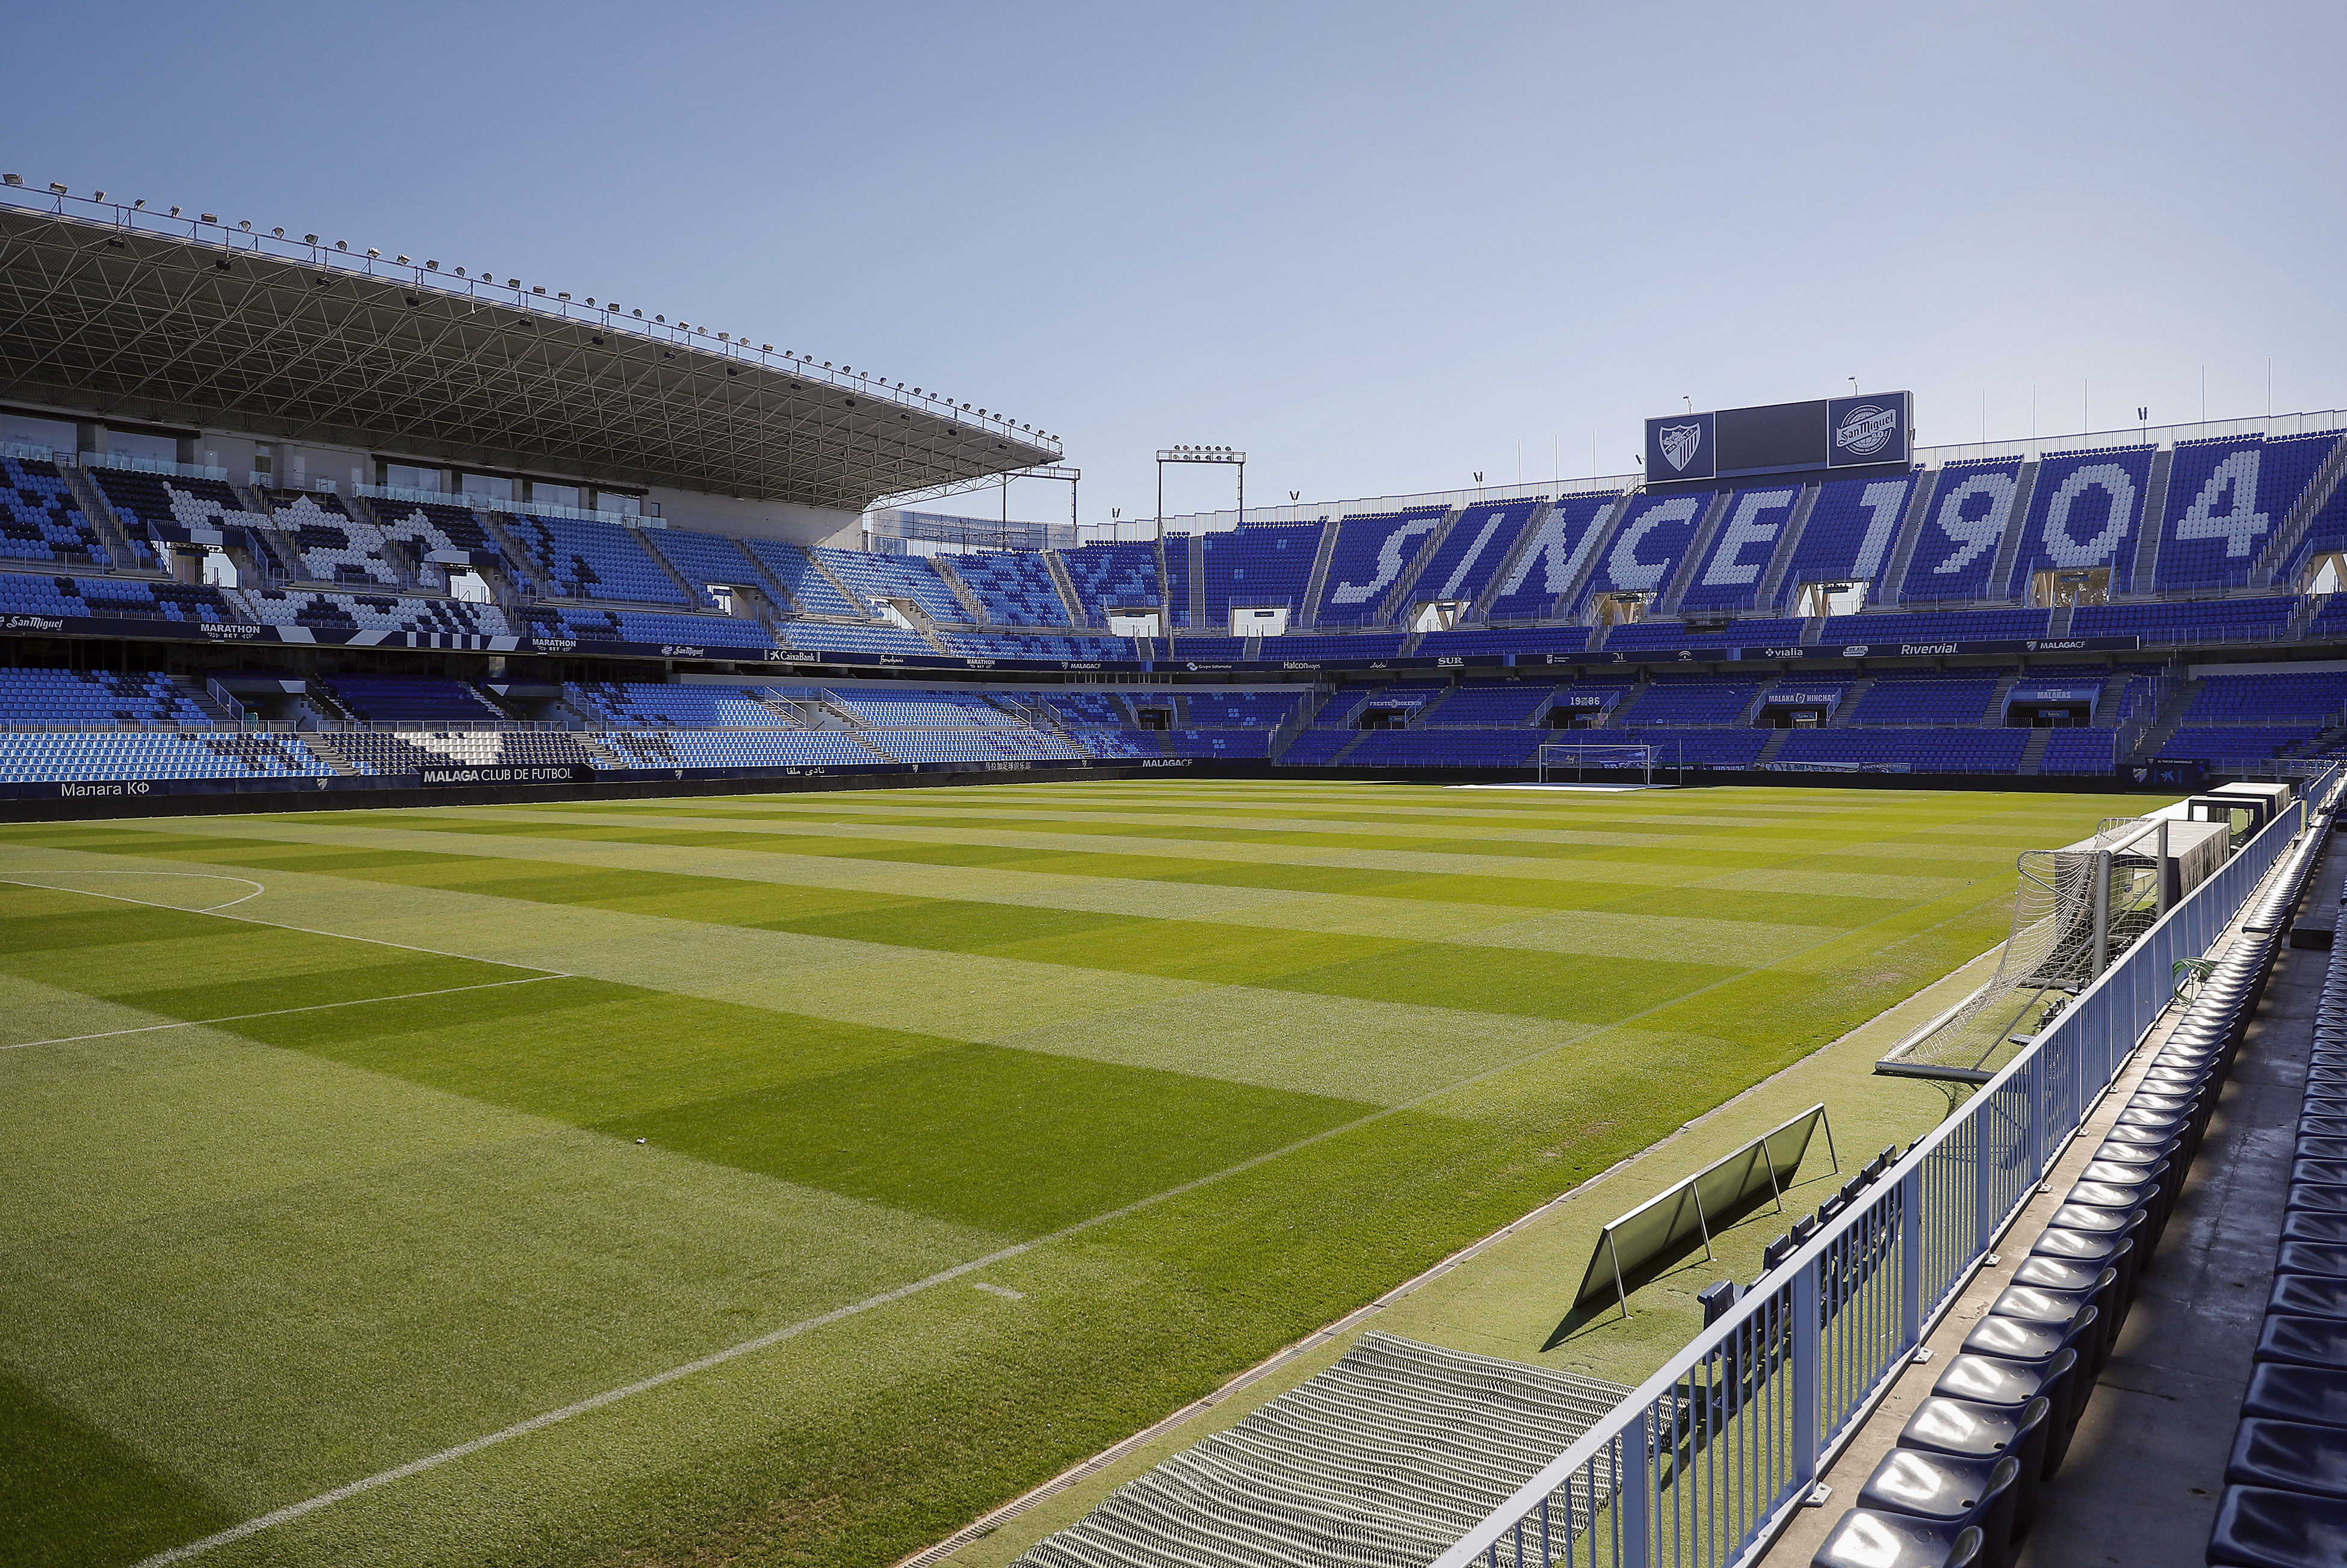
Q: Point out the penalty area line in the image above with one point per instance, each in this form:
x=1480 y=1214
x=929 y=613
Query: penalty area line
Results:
x=280 y=1012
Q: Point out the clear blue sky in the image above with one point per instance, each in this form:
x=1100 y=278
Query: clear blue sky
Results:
x=1377 y=246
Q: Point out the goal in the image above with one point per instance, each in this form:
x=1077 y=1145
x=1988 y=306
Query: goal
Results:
x=1576 y=761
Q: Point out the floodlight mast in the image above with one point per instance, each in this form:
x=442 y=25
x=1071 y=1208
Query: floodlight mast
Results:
x=1049 y=471
x=1227 y=456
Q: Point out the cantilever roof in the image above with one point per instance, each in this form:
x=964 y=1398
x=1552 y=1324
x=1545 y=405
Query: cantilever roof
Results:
x=171 y=322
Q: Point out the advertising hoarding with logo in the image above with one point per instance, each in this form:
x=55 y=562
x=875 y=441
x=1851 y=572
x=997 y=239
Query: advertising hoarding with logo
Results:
x=1877 y=428
x=1869 y=431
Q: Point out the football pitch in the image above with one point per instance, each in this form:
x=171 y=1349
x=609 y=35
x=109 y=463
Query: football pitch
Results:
x=789 y=1179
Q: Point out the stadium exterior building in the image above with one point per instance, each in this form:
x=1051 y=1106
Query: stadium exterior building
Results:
x=279 y=514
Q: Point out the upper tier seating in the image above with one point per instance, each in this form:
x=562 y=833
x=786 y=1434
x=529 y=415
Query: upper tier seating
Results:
x=879 y=577
x=1676 y=634
x=2207 y=621
x=1851 y=531
x=1927 y=700
x=393 y=700
x=1014 y=588
x=1971 y=505
x=1548 y=561
x=920 y=710
x=1730 y=574
x=1214 y=649
x=1677 y=700
x=1946 y=626
x=702 y=559
x=1646 y=550
x=582 y=559
x=2228 y=743
x=2084 y=511
x=1476 y=547
x=793 y=572
x=143 y=502
x=40 y=520
x=1117 y=576
x=1257 y=567
x=1090 y=709
x=94 y=698
x=1181 y=593
x=427 y=526
x=2326 y=534
x=332 y=544
x=155 y=755
x=2225 y=499
x=1371 y=553
x=657 y=706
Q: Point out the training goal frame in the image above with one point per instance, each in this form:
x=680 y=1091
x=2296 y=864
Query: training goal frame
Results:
x=1575 y=759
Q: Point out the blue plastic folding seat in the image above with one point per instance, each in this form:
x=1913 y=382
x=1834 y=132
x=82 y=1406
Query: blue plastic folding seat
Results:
x=2262 y=1527
x=1868 y=1539
x=1949 y=1491
x=2308 y=1296
x=2290 y=1457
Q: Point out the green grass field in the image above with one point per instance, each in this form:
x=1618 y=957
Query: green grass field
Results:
x=932 y=1139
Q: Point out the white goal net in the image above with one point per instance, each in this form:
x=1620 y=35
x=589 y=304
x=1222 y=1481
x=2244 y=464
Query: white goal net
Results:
x=2065 y=932
x=1573 y=762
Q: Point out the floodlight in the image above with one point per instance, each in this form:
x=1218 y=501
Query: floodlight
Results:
x=138 y=205
x=309 y=239
x=13 y=179
x=245 y=224
x=97 y=196
x=765 y=348
x=341 y=244
x=405 y=262
x=562 y=296
x=537 y=288
x=373 y=254
x=279 y=232
x=209 y=218
x=513 y=282
x=55 y=187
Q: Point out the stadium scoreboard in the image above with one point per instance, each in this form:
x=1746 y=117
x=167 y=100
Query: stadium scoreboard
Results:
x=1874 y=430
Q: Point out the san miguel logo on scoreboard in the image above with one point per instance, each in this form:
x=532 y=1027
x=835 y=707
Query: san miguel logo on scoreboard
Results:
x=1862 y=430
x=1876 y=430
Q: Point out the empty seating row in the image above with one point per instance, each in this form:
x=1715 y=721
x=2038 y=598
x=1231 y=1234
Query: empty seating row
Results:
x=91 y=699
x=154 y=755
x=1962 y=1484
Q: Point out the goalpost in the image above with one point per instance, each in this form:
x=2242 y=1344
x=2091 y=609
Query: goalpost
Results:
x=1577 y=760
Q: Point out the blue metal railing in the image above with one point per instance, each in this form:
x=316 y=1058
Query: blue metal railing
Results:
x=1699 y=1467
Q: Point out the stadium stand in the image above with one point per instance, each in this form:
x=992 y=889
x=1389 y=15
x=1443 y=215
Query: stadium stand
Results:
x=816 y=635
x=1359 y=645
x=591 y=560
x=1850 y=533
x=398 y=700
x=1674 y=634
x=152 y=754
x=1549 y=558
x=2083 y=513
x=349 y=611
x=876 y=578
x=1956 y=553
x=333 y=545
x=2210 y=621
x=793 y=572
x=702 y=559
x=1256 y=568
x=1014 y=588
x=1117 y=577
x=1372 y=551
x=1646 y=547
x=40 y=520
x=1691 y=701
x=92 y=699
x=1476 y=545
x=1729 y=577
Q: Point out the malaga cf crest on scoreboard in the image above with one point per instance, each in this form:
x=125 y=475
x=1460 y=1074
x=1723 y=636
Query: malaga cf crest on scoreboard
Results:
x=1876 y=430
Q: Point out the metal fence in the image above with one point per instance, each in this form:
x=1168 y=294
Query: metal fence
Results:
x=1699 y=1467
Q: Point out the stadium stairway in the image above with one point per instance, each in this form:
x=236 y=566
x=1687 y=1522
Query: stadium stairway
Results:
x=1386 y=1457
x=2034 y=751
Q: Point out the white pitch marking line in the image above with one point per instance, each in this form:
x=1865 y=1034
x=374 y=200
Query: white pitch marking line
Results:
x=1003 y=1291
x=280 y=1012
x=204 y=876
x=276 y=924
